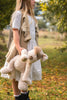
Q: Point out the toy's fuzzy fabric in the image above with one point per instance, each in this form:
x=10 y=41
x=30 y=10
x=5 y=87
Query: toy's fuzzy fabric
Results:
x=12 y=51
x=24 y=55
x=22 y=63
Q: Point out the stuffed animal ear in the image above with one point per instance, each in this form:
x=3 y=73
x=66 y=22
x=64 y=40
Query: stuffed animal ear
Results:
x=37 y=49
x=44 y=57
x=24 y=55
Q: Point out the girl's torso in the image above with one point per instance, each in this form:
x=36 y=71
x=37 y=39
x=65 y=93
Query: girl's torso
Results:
x=17 y=24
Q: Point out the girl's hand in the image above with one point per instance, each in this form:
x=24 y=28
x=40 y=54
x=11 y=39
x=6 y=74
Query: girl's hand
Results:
x=20 y=49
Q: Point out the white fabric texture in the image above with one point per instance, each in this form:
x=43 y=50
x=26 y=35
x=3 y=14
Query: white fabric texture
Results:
x=16 y=20
x=36 y=70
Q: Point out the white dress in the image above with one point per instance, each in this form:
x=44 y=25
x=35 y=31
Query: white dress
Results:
x=36 y=70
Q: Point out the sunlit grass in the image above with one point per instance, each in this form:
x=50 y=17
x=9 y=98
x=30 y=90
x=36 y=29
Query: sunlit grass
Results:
x=50 y=43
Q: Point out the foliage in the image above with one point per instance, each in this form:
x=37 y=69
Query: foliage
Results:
x=6 y=9
x=55 y=11
x=41 y=24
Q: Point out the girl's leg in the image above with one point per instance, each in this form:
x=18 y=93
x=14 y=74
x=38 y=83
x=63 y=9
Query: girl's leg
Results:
x=19 y=95
x=15 y=87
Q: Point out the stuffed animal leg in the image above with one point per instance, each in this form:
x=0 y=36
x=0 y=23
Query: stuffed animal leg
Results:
x=9 y=68
x=12 y=52
x=22 y=85
x=25 y=77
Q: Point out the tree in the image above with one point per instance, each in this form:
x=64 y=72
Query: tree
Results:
x=6 y=9
x=37 y=8
x=55 y=11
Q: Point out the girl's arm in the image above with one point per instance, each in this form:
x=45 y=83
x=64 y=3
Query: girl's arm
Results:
x=16 y=39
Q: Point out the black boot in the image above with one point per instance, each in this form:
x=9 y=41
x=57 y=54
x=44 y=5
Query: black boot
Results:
x=28 y=96
x=25 y=96
x=18 y=98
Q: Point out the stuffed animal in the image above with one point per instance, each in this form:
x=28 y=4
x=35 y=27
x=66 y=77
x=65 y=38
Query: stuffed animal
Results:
x=22 y=63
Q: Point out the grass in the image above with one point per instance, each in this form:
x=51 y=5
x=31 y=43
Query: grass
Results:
x=53 y=85
x=50 y=43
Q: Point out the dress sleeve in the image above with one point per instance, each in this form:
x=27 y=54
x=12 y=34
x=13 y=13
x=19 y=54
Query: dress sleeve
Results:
x=16 y=20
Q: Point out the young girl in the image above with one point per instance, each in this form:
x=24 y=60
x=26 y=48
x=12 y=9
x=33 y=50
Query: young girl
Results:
x=24 y=22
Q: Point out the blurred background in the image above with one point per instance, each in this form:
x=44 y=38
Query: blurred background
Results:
x=52 y=21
